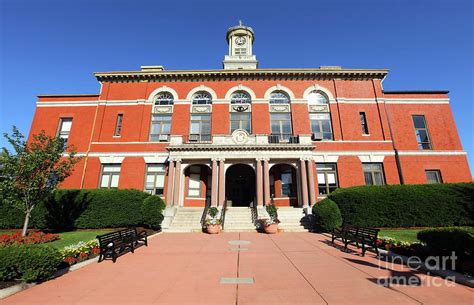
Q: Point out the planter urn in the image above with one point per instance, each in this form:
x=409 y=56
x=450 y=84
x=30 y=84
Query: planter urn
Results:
x=213 y=229
x=271 y=229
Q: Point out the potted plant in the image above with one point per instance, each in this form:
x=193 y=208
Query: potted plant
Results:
x=270 y=225
x=213 y=224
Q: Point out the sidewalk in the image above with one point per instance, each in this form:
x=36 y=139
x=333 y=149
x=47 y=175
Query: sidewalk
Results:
x=286 y=268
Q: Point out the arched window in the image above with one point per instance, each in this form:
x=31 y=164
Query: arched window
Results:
x=317 y=98
x=279 y=97
x=202 y=98
x=164 y=98
x=240 y=97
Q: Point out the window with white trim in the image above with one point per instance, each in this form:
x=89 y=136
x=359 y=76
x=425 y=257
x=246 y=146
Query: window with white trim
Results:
x=421 y=132
x=155 y=179
x=160 y=127
x=279 y=97
x=202 y=98
x=327 y=178
x=317 y=98
x=240 y=97
x=373 y=173
x=118 y=125
x=110 y=176
x=363 y=123
x=240 y=120
x=321 y=125
x=64 y=129
x=164 y=98
x=433 y=176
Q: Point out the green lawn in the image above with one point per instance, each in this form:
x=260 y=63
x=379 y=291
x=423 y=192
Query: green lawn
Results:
x=69 y=238
x=401 y=235
x=73 y=237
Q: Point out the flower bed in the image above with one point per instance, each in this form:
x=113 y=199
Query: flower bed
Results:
x=34 y=237
x=80 y=252
x=462 y=264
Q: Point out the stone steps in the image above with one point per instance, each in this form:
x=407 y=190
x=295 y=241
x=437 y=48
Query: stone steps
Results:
x=238 y=219
x=186 y=220
x=292 y=220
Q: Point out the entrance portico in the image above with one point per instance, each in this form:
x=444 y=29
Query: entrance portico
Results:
x=282 y=173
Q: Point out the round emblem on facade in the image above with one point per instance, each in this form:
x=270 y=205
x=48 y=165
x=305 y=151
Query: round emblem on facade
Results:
x=240 y=136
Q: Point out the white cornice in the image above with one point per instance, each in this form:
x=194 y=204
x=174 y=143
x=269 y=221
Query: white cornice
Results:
x=432 y=153
x=417 y=100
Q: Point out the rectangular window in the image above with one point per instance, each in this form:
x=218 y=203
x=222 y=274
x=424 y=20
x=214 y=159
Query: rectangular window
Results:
x=155 y=179
x=373 y=173
x=64 y=129
x=118 y=125
x=281 y=125
x=110 y=176
x=433 y=176
x=363 y=123
x=327 y=178
x=421 y=132
x=321 y=126
x=194 y=186
x=200 y=129
x=160 y=127
x=240 y=120
x=240 y=51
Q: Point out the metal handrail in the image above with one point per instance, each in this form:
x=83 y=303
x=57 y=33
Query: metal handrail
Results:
x=254 y=214
x=204 y=214
x=224 y=207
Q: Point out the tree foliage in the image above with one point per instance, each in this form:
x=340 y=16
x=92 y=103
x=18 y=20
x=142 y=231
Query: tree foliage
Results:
x=33 y=169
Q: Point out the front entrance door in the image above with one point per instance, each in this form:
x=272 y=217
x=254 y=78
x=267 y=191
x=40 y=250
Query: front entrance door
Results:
x=240 y=185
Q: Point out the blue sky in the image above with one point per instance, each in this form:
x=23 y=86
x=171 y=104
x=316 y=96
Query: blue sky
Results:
x=55 y=46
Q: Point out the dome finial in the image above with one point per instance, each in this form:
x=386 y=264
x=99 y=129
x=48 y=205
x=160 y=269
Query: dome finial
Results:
x=240 y=22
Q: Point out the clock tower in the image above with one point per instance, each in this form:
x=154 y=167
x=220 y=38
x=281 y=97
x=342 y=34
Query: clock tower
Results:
x=240 y=40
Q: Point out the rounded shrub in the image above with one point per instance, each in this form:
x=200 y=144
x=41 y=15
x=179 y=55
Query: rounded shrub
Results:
x=327 y=215
x=393 y=206
x=30 y=263
x=110 y=208
x=152 y=211
x=445 y=240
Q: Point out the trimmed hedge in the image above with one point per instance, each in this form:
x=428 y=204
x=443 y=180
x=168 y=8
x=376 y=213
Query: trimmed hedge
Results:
x=29 y=263
x=430 y=205
x=327 y=215
x=80 y=209
x=445 y=240
x=152 y=211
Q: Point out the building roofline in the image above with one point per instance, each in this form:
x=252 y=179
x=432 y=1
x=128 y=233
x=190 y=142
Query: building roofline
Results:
x=416 y=91
x=298 y=73
x=68 y=95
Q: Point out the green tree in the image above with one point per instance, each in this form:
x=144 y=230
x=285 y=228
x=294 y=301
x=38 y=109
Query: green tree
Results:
x=33 y=170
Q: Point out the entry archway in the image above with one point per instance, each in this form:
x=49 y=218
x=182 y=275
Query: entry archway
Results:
x=240 y=185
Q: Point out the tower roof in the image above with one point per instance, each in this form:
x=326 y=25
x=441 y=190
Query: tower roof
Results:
x=240 y=26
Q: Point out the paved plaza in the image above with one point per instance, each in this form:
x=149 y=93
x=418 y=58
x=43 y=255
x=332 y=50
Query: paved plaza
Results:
x=242 y=268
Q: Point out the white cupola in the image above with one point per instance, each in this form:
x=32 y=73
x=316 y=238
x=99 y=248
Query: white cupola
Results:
x=240 y=39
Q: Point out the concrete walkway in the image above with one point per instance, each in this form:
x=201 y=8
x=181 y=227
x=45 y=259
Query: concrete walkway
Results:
x=286 y=268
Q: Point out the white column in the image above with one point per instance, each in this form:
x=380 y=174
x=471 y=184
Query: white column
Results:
x=304 y=183
x=221 y=181
x=259 y=182
x=312 y=191
x=169 y=189
x=266 y=181
x=177 y=177
x=214 y=183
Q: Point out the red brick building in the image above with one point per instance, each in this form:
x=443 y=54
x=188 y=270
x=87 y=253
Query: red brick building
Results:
x=253 y=135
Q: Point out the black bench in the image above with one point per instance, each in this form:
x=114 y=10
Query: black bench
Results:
x=113 y=243
x=360 y=236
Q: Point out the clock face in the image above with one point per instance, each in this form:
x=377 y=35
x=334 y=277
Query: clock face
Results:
x=240 y=40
